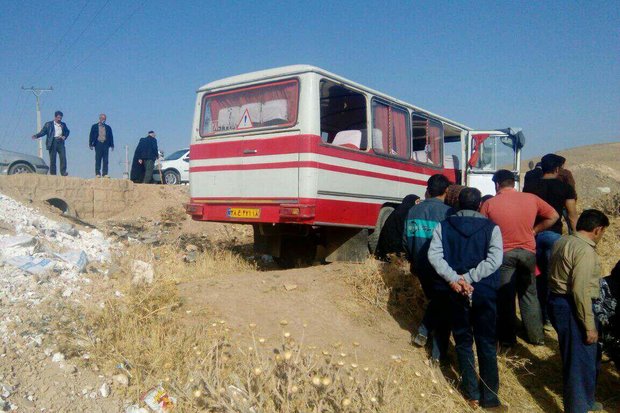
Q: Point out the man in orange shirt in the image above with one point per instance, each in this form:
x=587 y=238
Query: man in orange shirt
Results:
x=520 y=216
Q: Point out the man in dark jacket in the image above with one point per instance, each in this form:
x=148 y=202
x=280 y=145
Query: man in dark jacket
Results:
x=421 y=221
x=56 y=133
x=147 y=153
x=101 y=140
x=466 y=251
x=391 y=236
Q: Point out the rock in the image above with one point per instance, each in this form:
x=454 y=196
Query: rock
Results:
x=58 y=357
x=121 y=379
x=290 y=287
x=143 y=272
x=104 y=390
x=190 y=257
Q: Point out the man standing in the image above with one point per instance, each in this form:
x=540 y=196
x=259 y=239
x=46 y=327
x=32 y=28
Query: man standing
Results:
x=147 y=153
x=574 y=282
x=419 y=226
x=101 y=140
x=560 y=196
x=56 y=132
x=516 y=213
x=466 y=251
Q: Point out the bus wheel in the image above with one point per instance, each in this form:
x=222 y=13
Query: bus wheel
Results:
x=373 y=238
x=296 y=252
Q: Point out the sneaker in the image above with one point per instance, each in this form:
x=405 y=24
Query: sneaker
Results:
x=97 y=176
x=597 y=407
x=105 y=176
x=419 y=340
x=473 y=404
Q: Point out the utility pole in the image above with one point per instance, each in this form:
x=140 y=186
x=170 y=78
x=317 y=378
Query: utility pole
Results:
x=126 y=173
x=37 y=92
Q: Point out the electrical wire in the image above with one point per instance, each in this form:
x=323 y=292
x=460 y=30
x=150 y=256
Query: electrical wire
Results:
x=105 y=41
x=60 y=58
x=45 y=61
x=13 y=115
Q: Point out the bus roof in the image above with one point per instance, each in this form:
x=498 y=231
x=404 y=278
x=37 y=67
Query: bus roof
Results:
x=299 y=69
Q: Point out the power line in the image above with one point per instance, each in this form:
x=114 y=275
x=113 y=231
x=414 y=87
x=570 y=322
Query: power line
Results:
x=13 y=115
x=79 y=36
x=55 y=48
x=118 y=27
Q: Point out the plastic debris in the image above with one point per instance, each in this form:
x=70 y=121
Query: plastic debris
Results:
x=159 y=400
x=76 y=258
x=32 y=265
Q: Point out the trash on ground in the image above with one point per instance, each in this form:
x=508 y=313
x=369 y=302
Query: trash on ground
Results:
x=159 y=400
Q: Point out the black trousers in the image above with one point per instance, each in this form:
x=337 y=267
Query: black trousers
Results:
x=102 y=152
x=58 y=147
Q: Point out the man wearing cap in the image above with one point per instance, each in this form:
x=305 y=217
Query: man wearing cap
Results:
x=520 y=216
x=561 y=196
x=147 y=153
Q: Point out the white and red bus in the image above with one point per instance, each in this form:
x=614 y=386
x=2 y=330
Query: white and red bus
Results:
x=311 y=159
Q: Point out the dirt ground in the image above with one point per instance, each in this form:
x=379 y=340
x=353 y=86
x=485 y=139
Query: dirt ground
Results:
x=329 y=308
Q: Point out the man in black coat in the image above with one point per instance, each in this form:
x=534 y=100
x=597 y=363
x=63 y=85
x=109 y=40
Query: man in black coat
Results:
x=56 y=133
x=101 y=140
x=144 y=158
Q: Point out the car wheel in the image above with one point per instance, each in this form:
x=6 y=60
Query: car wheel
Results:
x=20 y=168
x=172 y=178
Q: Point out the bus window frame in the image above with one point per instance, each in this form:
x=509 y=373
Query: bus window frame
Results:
x=361 y=92
x=409 y=129
x=261 y=129
x=439 y=166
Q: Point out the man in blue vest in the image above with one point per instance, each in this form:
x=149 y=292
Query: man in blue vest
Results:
x=467 y=251
x=421 y=221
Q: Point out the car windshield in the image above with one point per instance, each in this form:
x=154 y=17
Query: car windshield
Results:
x=175 y=155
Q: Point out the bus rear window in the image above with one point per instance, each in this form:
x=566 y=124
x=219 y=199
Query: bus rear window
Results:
x=273 y=104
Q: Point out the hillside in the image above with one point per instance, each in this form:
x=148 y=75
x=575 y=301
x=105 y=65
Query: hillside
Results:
x=595 y=167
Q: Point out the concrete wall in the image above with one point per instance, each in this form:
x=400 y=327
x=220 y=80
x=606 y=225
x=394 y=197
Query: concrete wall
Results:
x=88 y=198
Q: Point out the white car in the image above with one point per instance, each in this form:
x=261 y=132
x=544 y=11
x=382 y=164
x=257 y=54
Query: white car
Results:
x=174 y=168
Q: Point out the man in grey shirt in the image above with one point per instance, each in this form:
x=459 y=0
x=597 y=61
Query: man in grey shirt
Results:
x=466 y=251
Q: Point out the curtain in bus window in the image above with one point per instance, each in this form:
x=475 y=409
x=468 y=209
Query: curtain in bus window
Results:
x=380 y=133
x=434 y=141
x=265 y=105
x=400 y=135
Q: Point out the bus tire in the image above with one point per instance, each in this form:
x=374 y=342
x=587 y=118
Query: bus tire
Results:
x=373 y=238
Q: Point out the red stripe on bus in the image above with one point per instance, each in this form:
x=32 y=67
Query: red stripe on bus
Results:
x=305 y=164
x=302 y=144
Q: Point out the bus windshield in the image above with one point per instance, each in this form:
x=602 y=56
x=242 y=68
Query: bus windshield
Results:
x=496 y=152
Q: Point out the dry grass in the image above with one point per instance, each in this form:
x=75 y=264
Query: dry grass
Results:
x=609 y=204
x=143 y=335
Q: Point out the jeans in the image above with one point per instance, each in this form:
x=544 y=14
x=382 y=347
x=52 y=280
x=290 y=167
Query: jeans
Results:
x=517 y=279
x=58 y=147
x=477 y=323
x=580 y=361
x=544 y=243
x=149 y=164
x=102 y=151
x=436 y=320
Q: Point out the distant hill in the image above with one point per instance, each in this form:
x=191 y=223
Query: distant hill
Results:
x=596 y=168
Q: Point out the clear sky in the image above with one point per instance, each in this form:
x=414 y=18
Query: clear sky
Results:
x=552 y=68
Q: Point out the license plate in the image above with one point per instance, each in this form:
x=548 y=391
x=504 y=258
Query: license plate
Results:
x=251 y=213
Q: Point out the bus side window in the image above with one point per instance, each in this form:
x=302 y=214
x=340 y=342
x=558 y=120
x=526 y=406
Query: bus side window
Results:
x=427 y=140
x=390 y=134
x=343 y=116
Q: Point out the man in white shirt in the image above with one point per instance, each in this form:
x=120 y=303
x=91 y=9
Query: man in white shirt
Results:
x=56 y=132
